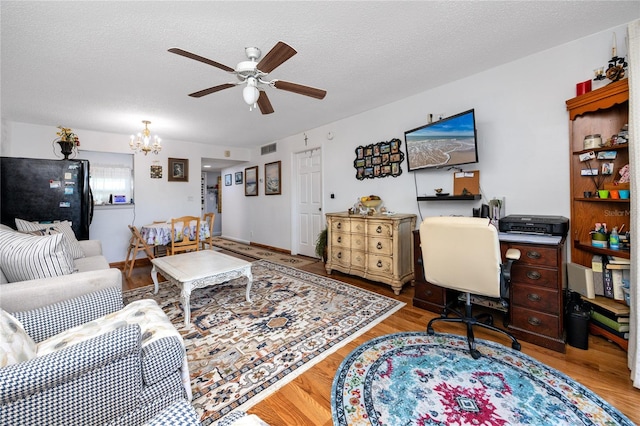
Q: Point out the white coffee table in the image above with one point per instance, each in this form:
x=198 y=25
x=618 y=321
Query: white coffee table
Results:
x=199 y=269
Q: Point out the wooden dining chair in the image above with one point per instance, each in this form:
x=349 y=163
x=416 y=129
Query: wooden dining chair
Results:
x=183 y=237
x=136 y=244
x=210 y=219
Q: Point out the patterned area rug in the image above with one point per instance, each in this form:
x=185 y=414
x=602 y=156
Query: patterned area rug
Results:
x=261 y=253
x=240 y=352
x=417 y=379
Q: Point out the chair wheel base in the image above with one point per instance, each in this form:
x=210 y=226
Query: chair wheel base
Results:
x=430 y=331
x=516 y=345
x=475 y=353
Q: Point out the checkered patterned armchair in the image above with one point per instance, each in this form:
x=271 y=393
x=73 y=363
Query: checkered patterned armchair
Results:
x=96 y=363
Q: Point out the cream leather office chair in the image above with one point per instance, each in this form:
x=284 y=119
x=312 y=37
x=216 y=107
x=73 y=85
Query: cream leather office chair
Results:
x=463 y=254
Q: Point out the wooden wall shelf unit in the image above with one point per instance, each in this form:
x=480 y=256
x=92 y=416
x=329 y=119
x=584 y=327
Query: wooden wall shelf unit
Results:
x=603 y=111
x=450 y=198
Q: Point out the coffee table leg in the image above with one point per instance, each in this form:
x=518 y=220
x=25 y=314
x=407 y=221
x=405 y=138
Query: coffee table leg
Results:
x=185 y=297
x=249 y=282
x=154 y=277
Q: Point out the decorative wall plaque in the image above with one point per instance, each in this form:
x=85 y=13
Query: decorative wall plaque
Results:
x=379 y=160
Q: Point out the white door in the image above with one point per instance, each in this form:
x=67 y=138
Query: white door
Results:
x=309 y=220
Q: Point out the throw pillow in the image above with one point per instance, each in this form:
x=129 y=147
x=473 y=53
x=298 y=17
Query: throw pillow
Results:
x=49 y=228
x=26 y=257
x=15 y=344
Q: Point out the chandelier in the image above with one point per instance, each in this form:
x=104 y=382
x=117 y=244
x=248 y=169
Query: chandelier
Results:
x=142 y=142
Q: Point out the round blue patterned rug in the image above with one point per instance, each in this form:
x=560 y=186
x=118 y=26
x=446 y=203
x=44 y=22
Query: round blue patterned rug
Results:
x=417 y=379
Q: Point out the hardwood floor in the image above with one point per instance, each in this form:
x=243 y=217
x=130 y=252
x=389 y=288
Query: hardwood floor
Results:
x=307 y=399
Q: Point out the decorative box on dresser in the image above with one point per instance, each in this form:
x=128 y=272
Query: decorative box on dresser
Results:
x=535 y=298
x=378 y=247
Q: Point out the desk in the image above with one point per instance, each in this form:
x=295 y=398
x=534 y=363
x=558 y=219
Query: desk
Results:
x=535 y=299
x=159 y=234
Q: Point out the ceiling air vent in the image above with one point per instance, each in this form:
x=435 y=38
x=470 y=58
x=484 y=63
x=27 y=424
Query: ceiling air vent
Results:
x=268 y=149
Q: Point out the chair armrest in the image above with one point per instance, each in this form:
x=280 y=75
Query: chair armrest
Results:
x=76 y=385
x=27 y=295
x=512 y=256
x=43 y=323
x=91 y=247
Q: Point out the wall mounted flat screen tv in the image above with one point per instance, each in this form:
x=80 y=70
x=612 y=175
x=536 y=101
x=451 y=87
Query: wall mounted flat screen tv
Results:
x=446 y=143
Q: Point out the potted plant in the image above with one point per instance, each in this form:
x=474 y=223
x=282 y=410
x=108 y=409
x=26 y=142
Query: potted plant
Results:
x=321 y=245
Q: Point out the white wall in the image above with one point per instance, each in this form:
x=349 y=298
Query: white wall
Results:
x=155 y=199
x=522 y=126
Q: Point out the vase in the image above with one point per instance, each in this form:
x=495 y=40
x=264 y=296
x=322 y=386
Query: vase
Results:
x=67 y=148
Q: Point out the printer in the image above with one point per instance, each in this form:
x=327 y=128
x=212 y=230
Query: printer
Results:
x=547 y=225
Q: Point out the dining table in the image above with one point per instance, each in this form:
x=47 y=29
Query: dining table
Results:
x=159 y=233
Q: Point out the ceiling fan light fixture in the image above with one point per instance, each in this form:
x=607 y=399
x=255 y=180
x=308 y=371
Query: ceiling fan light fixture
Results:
x=250 y=93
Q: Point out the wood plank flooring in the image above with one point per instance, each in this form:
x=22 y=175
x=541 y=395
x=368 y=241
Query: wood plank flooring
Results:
x=307 y=399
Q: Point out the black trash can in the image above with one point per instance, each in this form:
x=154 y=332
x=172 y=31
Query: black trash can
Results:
x=577 y=314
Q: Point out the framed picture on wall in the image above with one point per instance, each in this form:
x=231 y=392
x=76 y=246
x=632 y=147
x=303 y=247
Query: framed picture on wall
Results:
x=227 y=180
x=238 y=178
x=272 y=178
x=178 y=170
x=251 y=181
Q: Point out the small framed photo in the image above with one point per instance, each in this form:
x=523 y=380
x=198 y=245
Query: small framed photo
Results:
x=272 y=178
x=251 y=181
x=227 y=180
x=178 y=170
x=607 y=169
x=238 y=178
x=607 y=155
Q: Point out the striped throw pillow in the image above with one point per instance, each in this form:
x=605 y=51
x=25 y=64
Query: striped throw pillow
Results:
x=27 y=257
x=63 y=227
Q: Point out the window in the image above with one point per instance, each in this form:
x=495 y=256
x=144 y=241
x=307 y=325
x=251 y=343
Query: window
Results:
x=108 y=180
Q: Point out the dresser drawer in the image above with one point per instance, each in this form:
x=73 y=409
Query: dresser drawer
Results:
x=383 y=246
x=536 y=322
x=379 y=229
x=340 y=256
x=340 y=225
x=340 y=240
x=379 y=264
x=533 y=255
x=358 y=259
x=430 y=293
x=534 y=276
x=535 y=298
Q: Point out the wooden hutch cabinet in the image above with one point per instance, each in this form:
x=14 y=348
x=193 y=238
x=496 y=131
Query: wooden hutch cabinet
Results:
x=603 y=111
x=378 y=248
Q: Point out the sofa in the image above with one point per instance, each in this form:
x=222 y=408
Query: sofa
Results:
x=89 y=360
x=90 y=272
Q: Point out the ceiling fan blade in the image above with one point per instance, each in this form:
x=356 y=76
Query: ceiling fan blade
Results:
x=193 y=56
x=264 y=103
x=278 y=55
x=211 y=90
x=300 y=89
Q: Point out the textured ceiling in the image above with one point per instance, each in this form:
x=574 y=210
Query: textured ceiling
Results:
x=104 y=65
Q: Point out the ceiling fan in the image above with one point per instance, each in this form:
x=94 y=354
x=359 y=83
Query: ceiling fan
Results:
x=253 y=74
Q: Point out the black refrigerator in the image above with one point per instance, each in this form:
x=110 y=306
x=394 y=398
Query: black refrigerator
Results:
x=46 y=191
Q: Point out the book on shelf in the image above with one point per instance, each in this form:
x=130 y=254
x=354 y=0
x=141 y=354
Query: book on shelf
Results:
x=624 y=335
x=618 y=266
x=618 y=318
x=613 y=308
x=600 y=318
x=597 y=267
x=616 y=278
x=615 y=260
x=607 y=280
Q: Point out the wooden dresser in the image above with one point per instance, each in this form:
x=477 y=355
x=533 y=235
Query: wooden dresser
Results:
x=378 y=248
x=536 y=295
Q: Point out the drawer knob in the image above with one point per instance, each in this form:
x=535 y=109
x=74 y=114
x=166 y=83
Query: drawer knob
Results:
x=339 y=255
x=379 y=264
x=533 y=321
x=339 y=225
x=339 y=239
x=379 y=245
x=533 y=297
x=534 y=275
x=533 y=255
x=379 y=229
x=428 y=293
